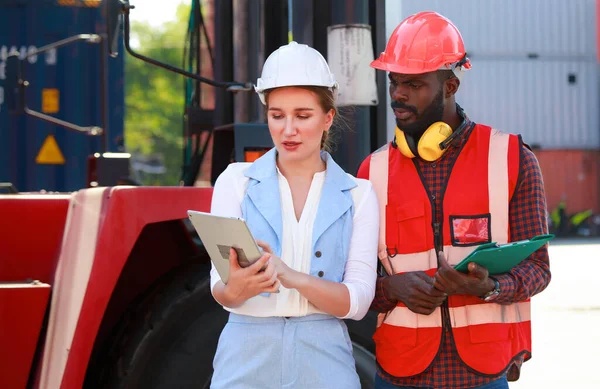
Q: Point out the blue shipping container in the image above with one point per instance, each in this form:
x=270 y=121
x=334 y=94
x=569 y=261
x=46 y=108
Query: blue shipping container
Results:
x=75 y=72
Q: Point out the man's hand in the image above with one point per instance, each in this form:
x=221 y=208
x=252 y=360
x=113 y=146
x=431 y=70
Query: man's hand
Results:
x=475 y=283
x=415 y=290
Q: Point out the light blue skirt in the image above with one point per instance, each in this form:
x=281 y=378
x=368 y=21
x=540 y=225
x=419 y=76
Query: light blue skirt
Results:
x=309 y=352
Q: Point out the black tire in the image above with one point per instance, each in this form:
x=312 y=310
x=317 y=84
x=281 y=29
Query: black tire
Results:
x=365 y=366
x=169 y=339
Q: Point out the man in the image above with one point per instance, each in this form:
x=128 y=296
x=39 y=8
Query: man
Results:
x=444 y=189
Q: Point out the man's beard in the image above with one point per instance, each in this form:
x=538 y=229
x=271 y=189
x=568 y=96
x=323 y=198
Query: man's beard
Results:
x=433 y=113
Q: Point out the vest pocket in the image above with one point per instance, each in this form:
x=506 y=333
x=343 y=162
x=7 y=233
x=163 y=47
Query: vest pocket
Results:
x=487 y=333
x=473 y=322
x=397 y=340
x=482 y=332
x=470 y=230
x=410 y=229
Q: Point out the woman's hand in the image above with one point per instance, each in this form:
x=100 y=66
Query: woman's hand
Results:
x=286 y=275
x=330 y=297
x=245 y=283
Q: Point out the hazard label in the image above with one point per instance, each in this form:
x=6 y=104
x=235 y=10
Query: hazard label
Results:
x=50 y=100
x=50 y=153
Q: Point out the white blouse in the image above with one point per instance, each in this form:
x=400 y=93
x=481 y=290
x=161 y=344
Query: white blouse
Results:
x=361 y=267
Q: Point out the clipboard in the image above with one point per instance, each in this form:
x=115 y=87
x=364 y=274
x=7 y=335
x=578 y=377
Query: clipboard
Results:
x=501 y=258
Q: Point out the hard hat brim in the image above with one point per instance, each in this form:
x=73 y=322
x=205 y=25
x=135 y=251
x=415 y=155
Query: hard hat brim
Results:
x=395 y=68
x=261 y=92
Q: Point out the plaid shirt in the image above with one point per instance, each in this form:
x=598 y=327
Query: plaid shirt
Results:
x=527 y=218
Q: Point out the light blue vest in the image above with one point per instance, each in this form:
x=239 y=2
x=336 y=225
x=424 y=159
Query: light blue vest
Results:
x=261 y=208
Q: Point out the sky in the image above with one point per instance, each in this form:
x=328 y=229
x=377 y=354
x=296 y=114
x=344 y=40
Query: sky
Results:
x=154 y=12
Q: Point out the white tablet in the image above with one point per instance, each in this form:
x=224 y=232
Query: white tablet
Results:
x=219 y=234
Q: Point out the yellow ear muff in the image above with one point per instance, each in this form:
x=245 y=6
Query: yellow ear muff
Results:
x=429 y=144
x=403 y=144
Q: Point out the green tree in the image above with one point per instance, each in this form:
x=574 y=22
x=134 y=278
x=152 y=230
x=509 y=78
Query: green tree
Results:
x=155 y=98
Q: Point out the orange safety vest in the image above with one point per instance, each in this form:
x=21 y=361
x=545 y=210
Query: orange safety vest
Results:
x=488 y=336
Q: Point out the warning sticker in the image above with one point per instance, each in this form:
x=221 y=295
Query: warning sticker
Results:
x=50 y=153
x=50 y=100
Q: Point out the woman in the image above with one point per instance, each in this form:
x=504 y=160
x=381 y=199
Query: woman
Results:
x=318 y=228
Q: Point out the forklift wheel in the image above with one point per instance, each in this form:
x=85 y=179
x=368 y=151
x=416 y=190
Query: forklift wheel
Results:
x=169 y=339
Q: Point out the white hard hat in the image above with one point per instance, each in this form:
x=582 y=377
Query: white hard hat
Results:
x=295 y=65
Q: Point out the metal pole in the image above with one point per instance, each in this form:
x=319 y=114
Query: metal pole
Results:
x=256 y=56
x=222 y=145
x=104 y=94
x=240 y=58
x=223 y=60
x=379 y=113
x=302 y=21
x=274 y=31
x=354 y=143
x=229 y=85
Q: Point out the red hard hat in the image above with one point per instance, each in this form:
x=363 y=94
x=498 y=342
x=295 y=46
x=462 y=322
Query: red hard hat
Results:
x=424 y=42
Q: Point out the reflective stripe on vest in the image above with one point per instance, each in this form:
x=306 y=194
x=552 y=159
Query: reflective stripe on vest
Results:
x=379 y=178
x=477 y=327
